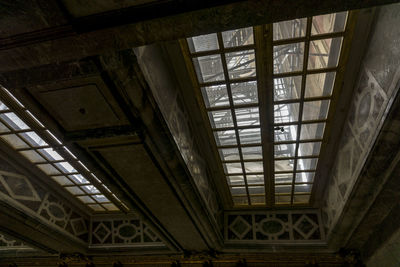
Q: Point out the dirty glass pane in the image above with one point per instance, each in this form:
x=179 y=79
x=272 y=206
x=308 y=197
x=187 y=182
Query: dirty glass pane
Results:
x=320 y=84
x=229 y=154
x=288 y=57
x=14 y=121
x=250 y=136
x=238 y=191
x=324 y=53
x=86 y=199
x=235 y=167
x=244 y=93
x=100 y=198
x=283 y=178
x=290 y=29
x=50 y=154
x=282 y=199
x=256 y=190
x=90 y=189
x=253 y=179
x=329 y=23
x=312 y=131
x=65 y=167
x=33 y=139
x=315 y=110
x=74 y=190
x=307 y=164
x=309 y=149
x=287 y=88
x=283 y=189
x=235 y=180
x=110 y=207
x=14 y=141
x=209 y=68
x=286 y=113
x=4 y=128
x=257 y=200
x=284 y=150
x=301 y=199
x=285 y=133
x=32 y=155
x=284 y=165
x=240 y=201
x=48 y=169
x=252 y=152
x=225 y=138
x=203 y=43
x=3 y=106
x=241 y=64
x=220 y=119
x=78 y=178
x=96 y=207
x=247 y=116
x=305 y=177
x=256 y=166
x=62 y=180
x=238 y=37
x=302 y=188
x=215 y=96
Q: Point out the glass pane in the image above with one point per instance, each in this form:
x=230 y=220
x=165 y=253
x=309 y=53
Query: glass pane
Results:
x=110 y=207
x=241 y=64
x=238 y=37
x=225 y=138
x=312 y=131
x=305 y=177
x=288 y=57
x=315 y=110
x=324 y=53
x=309 y=149
x=74 y=190
x=284 y=165
x=215 y=96
x=257 y=200
x=96 y=207
x=256 y=190
x=255 y=179
x=229 y=154
x=240 y=201
x=78 y=178
x=203 y=43
x=282 y=199
x=220 y=119
x=33 y=139
x=250 y=136
x=285 y=133
x=307 y=164
x=14 y=121
x=328 y=23
x=90 y=189
x=100 y=198
x=3 y=106
x=33 y=156
x=286 y=113
x=282 y=178
x=284 y=150
x=301 y=199
x=256 y=166
x=235 y=167
x=86 y=199
x=14 y=141
x=235 y=180
x=4 y=128
x=247 y=116
x=287 y=88
x=209 y=68
x=253 y=152
x=48 y=169
x=238 y=191
x=283 y=189
x=320 y=84
x=244 y=93
x=62 y=180
x=65 y=167
x=50 y=154
x=290 y=29
x=302 y=188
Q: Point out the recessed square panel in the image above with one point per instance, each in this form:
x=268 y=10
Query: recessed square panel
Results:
x=244 y=93
x=203 y=43
x=315 y=110
x=286 y=88
x=215 y=96
x=286 y=113
x=241 y=64
x=324 y=53
x=209 y=68
x=238 y=37
x=288 y=57
x=86 y=199
x=220 y=119
x=290 y=29
x=62 y=180
x=96 y=207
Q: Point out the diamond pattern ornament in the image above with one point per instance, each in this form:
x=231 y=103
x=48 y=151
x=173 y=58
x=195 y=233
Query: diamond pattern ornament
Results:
x=18 y=186
x=240 y=227
x=101 y=232
x=305 y=226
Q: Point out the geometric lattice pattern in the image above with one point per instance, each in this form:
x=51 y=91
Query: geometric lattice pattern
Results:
x=274 y=227
x=124 y=232
x=7 y=242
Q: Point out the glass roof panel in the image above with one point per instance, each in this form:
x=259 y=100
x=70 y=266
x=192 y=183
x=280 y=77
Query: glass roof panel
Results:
x=33 y=139
x=238 y=37
x=320 y=84
x=12 y=120
x=284 y=165
x=288 y=57
x=286 y=113
x=227 y=154
x=215 y=96
x=209 y=68
x=307 y=164
x=225 y=138
x=312 y=131
x=329 y=23
x=235 y=180
x=241 y=64
x=203 y=43
x=14 y=141
x=252 y=152
x=247 y=116
x=235 y=167
x=250 y=136
x=32 y=155
x=50 y=154
x=309 y=149
x=290 y=29
x=221 y=119
x=255 y=179
x=287 y=88
x=324 y=53
x=284 y=150
x=283 y=178
x=305 y=177
x=253 y=167
x=244 y=93
x=315 y=110
x=285 y=133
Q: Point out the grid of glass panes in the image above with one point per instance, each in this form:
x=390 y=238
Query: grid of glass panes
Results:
x=303 y=85
x=226 y=71
x=31 y=144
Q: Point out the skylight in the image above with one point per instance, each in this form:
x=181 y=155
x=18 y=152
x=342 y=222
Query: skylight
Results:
x=29 y=137
x=302 y=85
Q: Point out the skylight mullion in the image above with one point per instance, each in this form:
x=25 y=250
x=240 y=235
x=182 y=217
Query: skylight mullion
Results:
x=228 y=87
